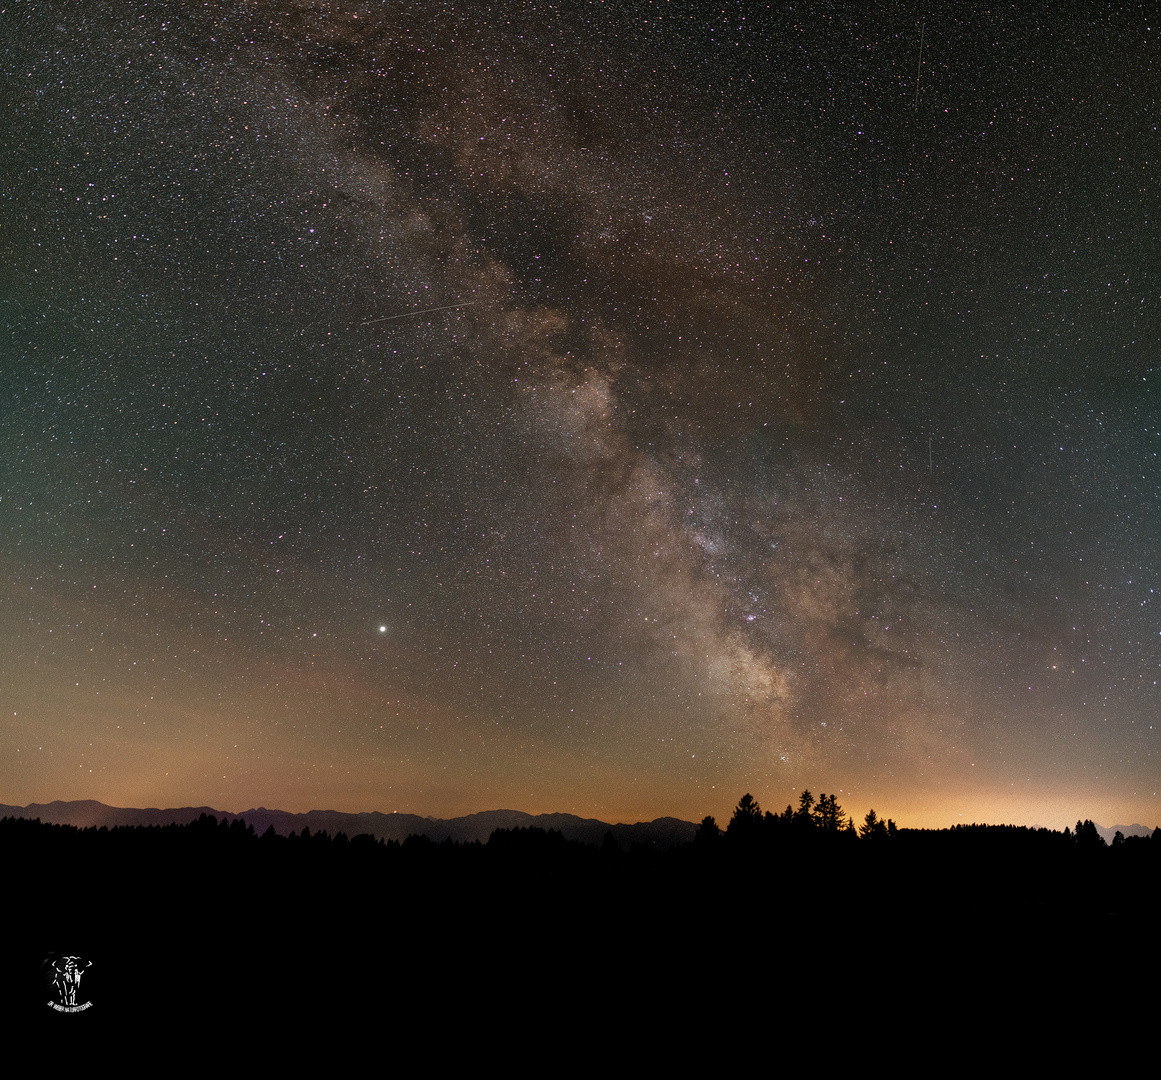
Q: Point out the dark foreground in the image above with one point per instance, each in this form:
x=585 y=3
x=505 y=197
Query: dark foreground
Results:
x=209 y=928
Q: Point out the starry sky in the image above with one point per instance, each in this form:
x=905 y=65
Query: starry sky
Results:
x=606 y=407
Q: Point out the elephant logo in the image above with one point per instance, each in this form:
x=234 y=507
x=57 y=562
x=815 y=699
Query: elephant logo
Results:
x=65 y=973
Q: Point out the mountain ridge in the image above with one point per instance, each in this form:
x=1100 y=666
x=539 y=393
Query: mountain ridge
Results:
x=662 y=833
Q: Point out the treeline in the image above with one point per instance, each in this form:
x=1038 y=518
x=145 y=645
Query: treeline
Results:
x=332 y=923
x=532 y=880
x=813 y=825
x=825 y=820
x=818 y=820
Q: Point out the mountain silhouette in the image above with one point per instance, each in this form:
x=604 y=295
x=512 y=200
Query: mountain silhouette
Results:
x=661 y=834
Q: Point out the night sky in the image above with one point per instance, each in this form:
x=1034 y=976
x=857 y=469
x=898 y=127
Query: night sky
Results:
x=603 y=408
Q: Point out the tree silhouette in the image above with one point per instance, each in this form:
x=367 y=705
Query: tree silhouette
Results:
x=828 y=814
x=747 y=819
x=872 y=827
x=707 y=832
x=1087 y=837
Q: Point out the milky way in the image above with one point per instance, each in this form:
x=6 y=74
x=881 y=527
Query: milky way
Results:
x=608 y=408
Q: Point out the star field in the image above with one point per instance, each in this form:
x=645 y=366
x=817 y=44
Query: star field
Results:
x=607 y=408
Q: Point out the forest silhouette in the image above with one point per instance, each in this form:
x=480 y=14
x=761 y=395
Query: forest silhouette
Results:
x=177 y=917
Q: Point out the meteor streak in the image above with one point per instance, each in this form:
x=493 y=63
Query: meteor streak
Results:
x=421 y=311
